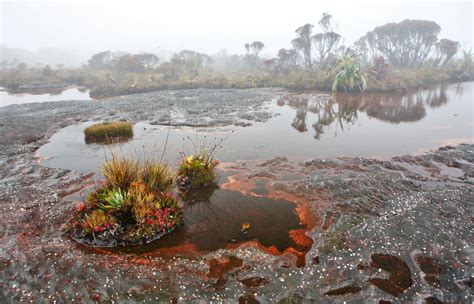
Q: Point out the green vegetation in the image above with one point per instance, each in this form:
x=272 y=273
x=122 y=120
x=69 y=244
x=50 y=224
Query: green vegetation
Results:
x=135 y=204
x=138 y=201
x=392 y=57
x=349 y=75
x=196 y=169
x=108 y=131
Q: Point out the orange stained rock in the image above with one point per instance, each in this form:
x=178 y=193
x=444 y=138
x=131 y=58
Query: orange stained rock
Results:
x=218 y=267
x=185 y=249
x=300 y=238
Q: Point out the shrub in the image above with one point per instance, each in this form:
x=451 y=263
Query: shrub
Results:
x=135 y=204
x=197 y=169
x=349 y=75
x=108 y=131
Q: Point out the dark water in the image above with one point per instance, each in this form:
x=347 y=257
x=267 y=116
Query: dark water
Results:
x=214 y=217
x=306 y=126
x=21 y=98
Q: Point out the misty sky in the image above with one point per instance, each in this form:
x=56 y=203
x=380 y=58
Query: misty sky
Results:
x=208 y=26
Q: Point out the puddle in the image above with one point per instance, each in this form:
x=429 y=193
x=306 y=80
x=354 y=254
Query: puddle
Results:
x=214 y=218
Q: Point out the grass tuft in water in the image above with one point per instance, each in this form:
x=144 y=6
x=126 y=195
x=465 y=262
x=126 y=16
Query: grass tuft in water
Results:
x=108 y=131
x=135 y=204
x=196 y=169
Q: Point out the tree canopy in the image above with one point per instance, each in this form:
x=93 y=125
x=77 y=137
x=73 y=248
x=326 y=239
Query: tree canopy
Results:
x=408 y=43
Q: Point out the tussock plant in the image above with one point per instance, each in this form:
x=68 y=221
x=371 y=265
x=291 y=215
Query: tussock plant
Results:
x=120 y=173
x=157 y=176
x=197 y=169
x=350 y=75
x=135 y=204
x=108 y=131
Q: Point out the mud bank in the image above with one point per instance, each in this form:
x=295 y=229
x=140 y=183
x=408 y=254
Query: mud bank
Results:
x=398 y=230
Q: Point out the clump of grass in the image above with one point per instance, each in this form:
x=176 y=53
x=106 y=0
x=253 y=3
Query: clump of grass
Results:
x=158 y=176
x=120 y=173
x=197 y=169
x=135 y=204
x=108 y=131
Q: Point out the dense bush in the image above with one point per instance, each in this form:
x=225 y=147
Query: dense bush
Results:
x=134 y=204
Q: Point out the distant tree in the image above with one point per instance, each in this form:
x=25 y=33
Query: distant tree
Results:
x=47 y=71
x=60 y=66
x=326 y=42
x=148 y=60
x=253 y=50
x=270 y=64
x=287 y=59
x=445 y=50
x=191 y=62
x=361 y=47
x=326 y=23
x=303 y=43
x=247 y=47
x=128 y=63
x=234 y=62
x=256 y=47
x=405 y=44
x=22 y=66
x=167 y=70
x=100 y=60
x=139 y=63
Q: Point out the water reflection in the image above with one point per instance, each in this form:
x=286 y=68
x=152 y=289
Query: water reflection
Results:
x=372 y=125
x=8 y=98
x=343 y=109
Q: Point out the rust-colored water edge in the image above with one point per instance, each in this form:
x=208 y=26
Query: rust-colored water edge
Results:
x=218 y=218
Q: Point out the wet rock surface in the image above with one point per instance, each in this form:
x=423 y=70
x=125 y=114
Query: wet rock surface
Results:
x=28 y=123
x=382 y=231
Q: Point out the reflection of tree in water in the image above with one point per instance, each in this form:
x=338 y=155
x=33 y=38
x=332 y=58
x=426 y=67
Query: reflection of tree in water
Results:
x=396 y=109
x=393 y=108
x=404 y=108
x=299 y=122
x=335 y=112
x=327 y=110
x=437 y=97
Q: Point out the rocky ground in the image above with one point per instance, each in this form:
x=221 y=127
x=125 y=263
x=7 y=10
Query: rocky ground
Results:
x=385 y=231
